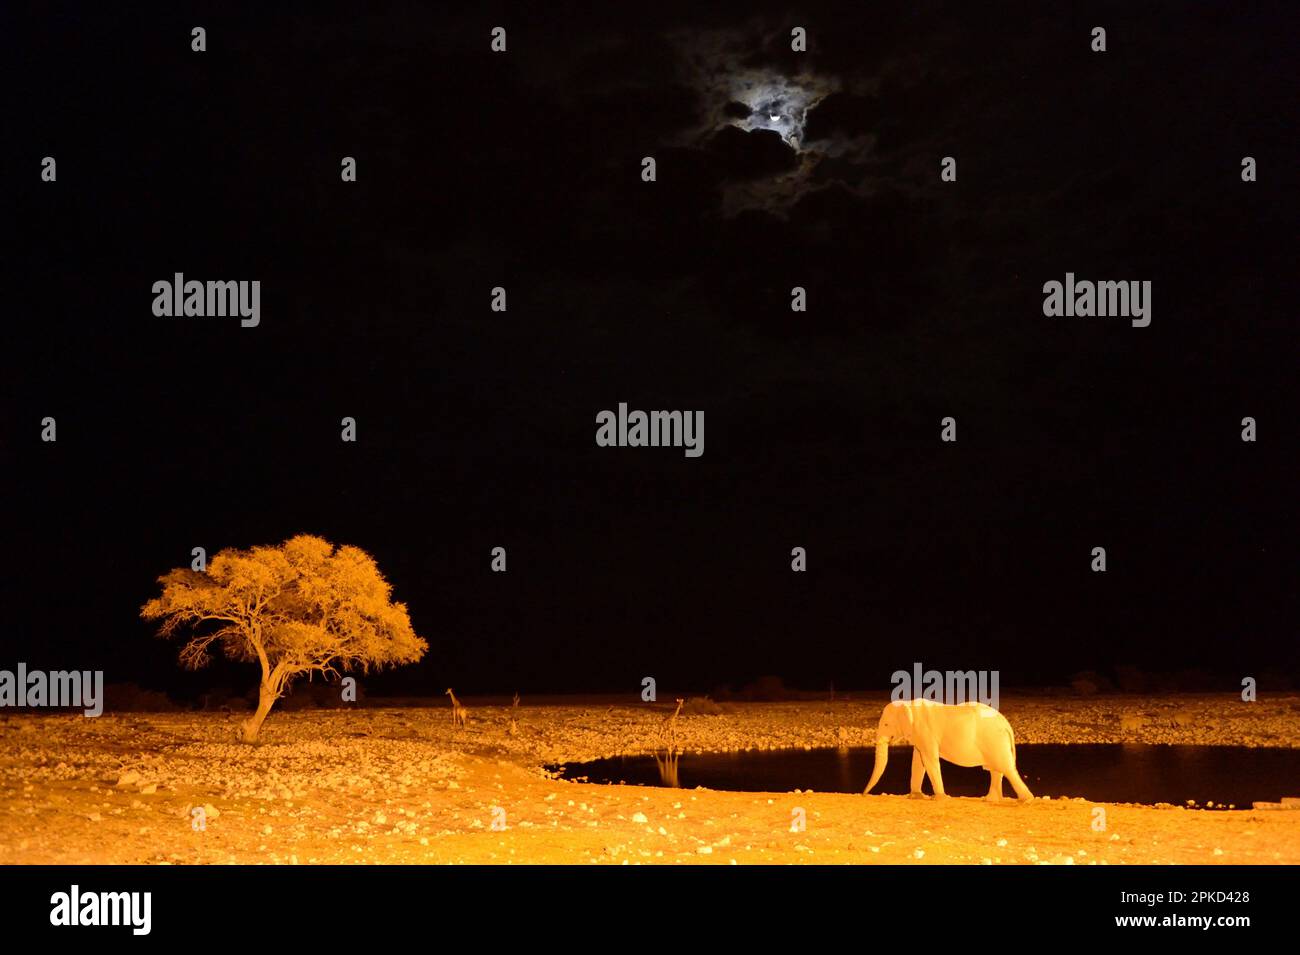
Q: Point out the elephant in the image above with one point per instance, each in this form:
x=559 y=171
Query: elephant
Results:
x=968 y=734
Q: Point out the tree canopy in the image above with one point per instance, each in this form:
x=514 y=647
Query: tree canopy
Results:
x=301 y=607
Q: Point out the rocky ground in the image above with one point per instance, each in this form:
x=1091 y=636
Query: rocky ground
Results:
x=400 y=784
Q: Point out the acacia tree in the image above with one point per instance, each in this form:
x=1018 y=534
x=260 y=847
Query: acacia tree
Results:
x=301 y=607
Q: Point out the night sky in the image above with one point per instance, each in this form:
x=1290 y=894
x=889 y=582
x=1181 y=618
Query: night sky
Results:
x=477 y=428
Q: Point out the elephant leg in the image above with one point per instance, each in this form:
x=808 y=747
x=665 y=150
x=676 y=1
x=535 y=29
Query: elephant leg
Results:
x=995 y=786
x=1018 y=784
x=931 y=759
x=918 y=774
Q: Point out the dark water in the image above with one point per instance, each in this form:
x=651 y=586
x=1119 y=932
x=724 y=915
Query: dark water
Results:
x=1134 y=773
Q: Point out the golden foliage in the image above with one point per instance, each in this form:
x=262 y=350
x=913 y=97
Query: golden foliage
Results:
x=299 y=607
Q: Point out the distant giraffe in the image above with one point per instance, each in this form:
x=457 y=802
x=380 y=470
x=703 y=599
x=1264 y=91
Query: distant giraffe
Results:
x=670 y=724
x=667 y=760
x=459 y=715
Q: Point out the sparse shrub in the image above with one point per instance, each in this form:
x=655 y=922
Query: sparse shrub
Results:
x=327 y=694
x=1086 y=683
x=1131 y=679
x=130 y=698
x=216 y=698
x=1186 y=681
x=316 y=694
x=293 y=700
x=766 y=689
x=223 y=699
x=1273 y=681
x=702 y=706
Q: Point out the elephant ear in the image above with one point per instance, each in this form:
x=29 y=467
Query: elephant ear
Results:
x=906 y=718
x=900 y=722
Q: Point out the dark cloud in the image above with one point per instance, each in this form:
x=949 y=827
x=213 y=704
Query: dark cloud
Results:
x=842 y=114
x=750 y=155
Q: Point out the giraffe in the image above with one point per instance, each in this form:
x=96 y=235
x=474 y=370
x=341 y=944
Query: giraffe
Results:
x=459 y=715
x=668 y=760
x=670 y=724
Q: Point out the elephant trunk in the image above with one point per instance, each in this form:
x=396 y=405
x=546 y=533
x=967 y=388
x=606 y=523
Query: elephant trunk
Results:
x=882 y=757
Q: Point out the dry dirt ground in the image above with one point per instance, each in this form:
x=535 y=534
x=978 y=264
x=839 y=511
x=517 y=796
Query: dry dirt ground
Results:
x=400 y=784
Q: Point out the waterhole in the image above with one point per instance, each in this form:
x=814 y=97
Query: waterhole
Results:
x=1217 y=777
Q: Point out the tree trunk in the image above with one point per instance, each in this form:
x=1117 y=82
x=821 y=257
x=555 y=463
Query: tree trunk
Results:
x=265 y=700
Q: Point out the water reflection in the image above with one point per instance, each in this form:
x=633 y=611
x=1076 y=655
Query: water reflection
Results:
x=666 y=762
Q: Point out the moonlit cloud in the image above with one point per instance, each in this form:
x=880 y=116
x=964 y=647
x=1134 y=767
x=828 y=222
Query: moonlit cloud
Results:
x=736 y=92
x=719 y=67
x=775 y=102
